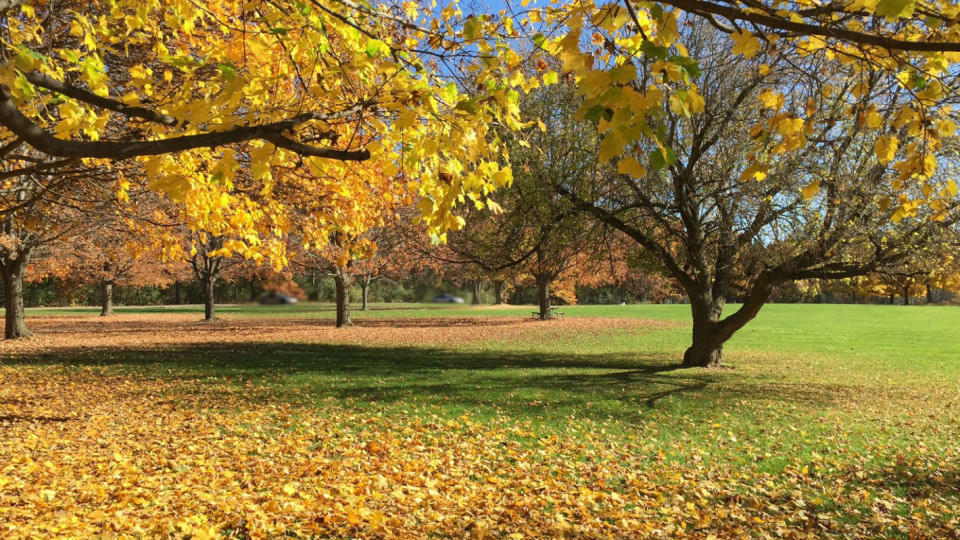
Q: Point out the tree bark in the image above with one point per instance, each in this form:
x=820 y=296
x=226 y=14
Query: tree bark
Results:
x=498 y=292
x=15 y=326
x=543 y=296
x=476 y=293
x=343 y=283
x=106 y=298
x=209 y=305
x=929 y=294
x=906 y=295
x=706 y=350
x=364 y=290
x=892 y=299
x=710 y=332
x=177 y=296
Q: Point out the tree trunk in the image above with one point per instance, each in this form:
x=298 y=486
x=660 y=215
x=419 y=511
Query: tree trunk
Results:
x=364 y=287
x=476 y=293
x=543 y=297
x=106 y=298
x=706 y=350
x=906 y=296
x=892 y=299
x=209 y=307
x=343 y=300
x=710 y=332
x=13 y=274
x=177 y=295
x=929 y=294
x=498 y=293
x=253 y=290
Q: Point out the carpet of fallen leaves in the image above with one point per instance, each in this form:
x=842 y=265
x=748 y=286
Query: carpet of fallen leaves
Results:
x=88 y=452
x=159 y=329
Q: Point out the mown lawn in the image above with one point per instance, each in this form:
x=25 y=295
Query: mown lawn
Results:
x=429 y=421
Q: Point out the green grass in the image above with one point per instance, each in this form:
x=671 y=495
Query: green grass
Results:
x=803 y=360
x=831 y=387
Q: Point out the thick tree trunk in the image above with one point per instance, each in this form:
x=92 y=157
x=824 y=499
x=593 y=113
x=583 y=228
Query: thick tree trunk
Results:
x=476 y=293
x=906 y=296
x=177 y=294
x=106 y=298
x=929 y=294
x=710 y=332
x=543 y=297
x=498 y=293
x=343 y=301
x=253 y=290
x=13 y=273
x=706 y=350
x=892 y=299
x=209 y=306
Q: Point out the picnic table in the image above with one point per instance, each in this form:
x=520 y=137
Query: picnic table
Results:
x=552 y=314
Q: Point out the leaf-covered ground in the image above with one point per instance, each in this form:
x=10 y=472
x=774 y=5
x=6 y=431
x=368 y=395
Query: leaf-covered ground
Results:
x=488 y=427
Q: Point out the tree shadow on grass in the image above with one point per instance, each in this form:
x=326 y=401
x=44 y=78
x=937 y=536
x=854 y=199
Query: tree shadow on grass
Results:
x=532 y=384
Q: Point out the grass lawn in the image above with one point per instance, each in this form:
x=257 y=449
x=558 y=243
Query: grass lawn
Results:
x=451 y=421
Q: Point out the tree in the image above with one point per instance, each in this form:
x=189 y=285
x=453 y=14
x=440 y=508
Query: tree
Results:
x=212 y=87
x=758 y=187
x=110 y=252
x=37 y=212
x=337 y=259
x=532 y=230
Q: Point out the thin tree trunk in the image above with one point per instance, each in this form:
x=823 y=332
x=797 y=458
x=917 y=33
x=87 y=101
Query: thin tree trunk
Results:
x=106 y=298
x=13 y=273
x=929 y=294
x=543 y=297
x=892 y=298
x=253 y=290
x=498 y=293
x=364 y=289
x=209 y=306
x=906 y=296
x=177 y=295
x=476 y=293
x=343 y=300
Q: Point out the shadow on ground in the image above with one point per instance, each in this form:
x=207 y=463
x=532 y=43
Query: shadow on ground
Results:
x=534 y=384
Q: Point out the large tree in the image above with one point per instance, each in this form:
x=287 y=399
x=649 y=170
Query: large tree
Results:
x=774 y=177
x=337 y=85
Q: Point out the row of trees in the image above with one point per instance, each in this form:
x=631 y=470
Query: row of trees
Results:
x=732 y=148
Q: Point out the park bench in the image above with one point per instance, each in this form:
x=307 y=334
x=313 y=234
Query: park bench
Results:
x=554 y=314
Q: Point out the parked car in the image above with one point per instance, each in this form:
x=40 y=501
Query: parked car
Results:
x=277 y=298
x=447 y=299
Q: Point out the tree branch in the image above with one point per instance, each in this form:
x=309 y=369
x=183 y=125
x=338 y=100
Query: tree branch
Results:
x=704 y=9
x=35 y=136
x=45 y=81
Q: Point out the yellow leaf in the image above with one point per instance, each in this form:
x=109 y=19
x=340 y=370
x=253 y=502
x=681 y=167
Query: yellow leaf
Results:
x=811 y=190
x=611 y=146
x=886 y=148
x=631 y=166
x=745 y=43
x=771 y=100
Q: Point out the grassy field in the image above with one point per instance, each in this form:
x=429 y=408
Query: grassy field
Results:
x=455 y=421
